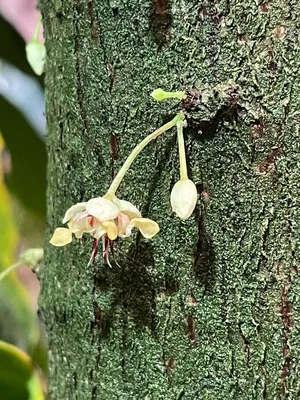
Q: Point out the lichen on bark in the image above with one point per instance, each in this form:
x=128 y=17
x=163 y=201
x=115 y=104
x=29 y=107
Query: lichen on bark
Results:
x=210 y=307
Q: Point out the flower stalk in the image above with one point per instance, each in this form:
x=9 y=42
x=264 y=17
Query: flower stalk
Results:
x=181 y=147
x=136 y=151
x=31 y=257
x=10 y=269
x=37 y=29
x=184 y=193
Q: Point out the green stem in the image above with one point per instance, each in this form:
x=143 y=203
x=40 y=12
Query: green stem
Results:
x=10 y=269
x=37 y=29
x=175 y=95
x=182 y=158
x=160 y=95
x=135 y=152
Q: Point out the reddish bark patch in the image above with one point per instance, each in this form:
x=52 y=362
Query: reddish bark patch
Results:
x=94 y=33
x=264 y=7
x=97 y=323
x=170 y=364
x=114 y=146
x=191 y=328
x=205 y=196
x=243 y=39
x=269 y=162
x=272 y=65
x=192 y=301
x=202 y=13
x=160 y=20
x=280 y=31
x=258 y=129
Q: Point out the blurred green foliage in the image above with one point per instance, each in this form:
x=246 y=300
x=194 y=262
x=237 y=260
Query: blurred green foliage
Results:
x=18 y=323
x=28 y=178
x=18 y=379
x=19 y=328
x=28 y=153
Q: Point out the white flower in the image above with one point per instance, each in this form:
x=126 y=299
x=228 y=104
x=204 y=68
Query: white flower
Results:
x=101 y=217
x=184 y=198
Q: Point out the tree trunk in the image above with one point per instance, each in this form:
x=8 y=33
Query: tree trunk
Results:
x=210 y=307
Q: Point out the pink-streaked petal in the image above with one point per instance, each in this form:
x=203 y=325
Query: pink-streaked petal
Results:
x=123 y=223
x=73 y=210
x=79 y=223
x=128 y=208
x=80 y=216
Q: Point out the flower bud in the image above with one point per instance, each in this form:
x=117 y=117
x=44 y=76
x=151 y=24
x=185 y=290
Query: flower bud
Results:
x=184 y=198
x=160 y=95
x=32 y=257
x=36 y=55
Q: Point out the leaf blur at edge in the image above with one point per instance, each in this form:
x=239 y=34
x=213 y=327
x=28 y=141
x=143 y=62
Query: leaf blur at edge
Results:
x=12 y=49
x=28 y=178
x=18 y=323
x=28 y=152
x=18 y=380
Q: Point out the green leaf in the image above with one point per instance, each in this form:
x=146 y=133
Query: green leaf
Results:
x=18 y=380
x=35 y=389
x=18 y=323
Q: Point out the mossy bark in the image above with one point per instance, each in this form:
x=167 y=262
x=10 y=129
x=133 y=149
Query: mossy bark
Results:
x=210 y=308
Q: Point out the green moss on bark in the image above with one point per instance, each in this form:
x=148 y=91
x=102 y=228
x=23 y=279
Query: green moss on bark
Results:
x=209 y=308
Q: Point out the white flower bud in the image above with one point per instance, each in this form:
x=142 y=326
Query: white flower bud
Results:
x=184 y=198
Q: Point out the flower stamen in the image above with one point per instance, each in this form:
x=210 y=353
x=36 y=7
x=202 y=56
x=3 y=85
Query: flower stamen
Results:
x=94 y=252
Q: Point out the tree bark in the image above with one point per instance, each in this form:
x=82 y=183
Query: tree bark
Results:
x=210 y=308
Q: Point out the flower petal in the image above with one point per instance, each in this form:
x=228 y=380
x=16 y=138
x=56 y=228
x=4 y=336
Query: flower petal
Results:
x=102 y=209
x=79 y=222
x=147 y=227
x=78 y=234
x=99 y=233
x=61 y=237
x=73 y=210
x=123 y=225
x=128 y=208
x=111 y=229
